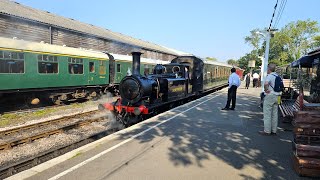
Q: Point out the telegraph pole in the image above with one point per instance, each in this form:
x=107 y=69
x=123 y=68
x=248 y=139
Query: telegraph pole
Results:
x=264 y=66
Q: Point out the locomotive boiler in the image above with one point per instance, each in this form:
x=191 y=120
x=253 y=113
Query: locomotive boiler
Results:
x=142 y=94
x=184 y=78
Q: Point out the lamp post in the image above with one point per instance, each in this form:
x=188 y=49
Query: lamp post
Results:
x=264 y=65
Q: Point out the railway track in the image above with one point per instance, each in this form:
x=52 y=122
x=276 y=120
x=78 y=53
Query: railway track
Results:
x=27 y=109
x=9 y=139
x=39 y=158
x=30 y=162
x=14 y=137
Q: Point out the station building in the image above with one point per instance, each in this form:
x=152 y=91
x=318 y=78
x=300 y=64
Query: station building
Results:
x=23 y=22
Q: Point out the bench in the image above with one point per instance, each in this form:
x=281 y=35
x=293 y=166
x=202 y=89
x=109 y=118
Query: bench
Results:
x=287 y=107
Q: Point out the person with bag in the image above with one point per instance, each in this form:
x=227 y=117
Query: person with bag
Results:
x=273 y=86
x=247 y=80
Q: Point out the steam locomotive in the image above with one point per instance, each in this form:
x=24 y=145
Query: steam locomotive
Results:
x=183 y=78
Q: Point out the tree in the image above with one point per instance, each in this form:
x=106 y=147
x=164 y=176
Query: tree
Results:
x=316 y=42
x=254 y=39
x=296 y=38
x=211 y=59
x=243 y=61
x=232 y=62
x=289 y=43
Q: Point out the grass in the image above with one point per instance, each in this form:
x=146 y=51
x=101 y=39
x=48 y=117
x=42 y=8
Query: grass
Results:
x=4 y=122
x=76 y=155
x=43 y=112
x=12 y=119
x=15 y=118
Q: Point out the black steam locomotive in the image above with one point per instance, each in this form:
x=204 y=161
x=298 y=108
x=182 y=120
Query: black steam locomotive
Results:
x=184 y=77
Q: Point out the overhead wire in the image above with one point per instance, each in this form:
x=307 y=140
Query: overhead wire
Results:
x=280 y=13
x=275 y=8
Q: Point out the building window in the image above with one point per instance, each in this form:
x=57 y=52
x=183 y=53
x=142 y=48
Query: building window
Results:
x=91 y=67
x=102 y=68
x=118 y=67
x=47 y=64
x=75 y=65
x=11 y=62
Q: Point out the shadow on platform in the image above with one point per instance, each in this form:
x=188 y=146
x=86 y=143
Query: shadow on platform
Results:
x=231 y=136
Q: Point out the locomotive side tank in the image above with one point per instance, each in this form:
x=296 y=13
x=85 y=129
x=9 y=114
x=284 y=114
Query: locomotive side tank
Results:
x=174 y=83
x=141 y=95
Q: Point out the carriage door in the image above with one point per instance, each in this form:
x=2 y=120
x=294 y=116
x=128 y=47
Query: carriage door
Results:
x=92 y=74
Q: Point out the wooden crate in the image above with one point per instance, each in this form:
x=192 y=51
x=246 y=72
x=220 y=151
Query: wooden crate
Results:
x=302 y=150
x=306 y=166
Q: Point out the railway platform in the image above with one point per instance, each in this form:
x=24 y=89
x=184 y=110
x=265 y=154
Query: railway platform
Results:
x=194 y=141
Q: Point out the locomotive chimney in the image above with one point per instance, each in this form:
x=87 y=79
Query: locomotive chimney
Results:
x=136 y=63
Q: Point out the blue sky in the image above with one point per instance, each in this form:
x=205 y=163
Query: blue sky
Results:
x=206 y=28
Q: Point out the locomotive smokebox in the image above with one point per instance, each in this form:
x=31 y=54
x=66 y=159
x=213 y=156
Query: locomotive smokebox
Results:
x=136 y=63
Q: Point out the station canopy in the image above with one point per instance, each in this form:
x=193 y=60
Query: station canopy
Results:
x=309 y=60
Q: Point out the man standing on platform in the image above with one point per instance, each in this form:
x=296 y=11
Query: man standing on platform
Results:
x=234 y=83
x=255 y=80
x=270 y=102
x=247 y=80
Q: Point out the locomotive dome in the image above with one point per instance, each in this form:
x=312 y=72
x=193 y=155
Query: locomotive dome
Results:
x=159 y=69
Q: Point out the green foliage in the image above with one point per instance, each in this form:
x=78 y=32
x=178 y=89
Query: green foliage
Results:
x=296 y=37
x=243 y=61
x=43 y=112
x=232 y=62
x=288 y=44
x=211 y=59
x=316 y=41
x=254 y=39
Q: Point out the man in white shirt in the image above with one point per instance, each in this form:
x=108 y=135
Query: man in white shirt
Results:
x=270 y=103
x=234 y=83
x=255 y=79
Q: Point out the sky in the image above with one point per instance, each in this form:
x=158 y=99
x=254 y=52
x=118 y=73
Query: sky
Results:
x=205 y=28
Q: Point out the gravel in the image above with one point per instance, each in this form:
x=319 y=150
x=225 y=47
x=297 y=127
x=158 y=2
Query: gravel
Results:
x=28 y=150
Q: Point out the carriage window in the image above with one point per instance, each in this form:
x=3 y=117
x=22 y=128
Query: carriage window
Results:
x=146 y=70
x=118 y=67
x=75 y=65
x=102 y=68
x=11 y=62
x=91 y=67
x=47 y=64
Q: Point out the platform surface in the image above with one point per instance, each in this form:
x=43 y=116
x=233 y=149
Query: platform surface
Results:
x=194 y=141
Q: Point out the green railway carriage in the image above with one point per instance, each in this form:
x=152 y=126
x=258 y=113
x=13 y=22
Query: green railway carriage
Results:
x=215 y=74
x=123 y=65
x=39 y=70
